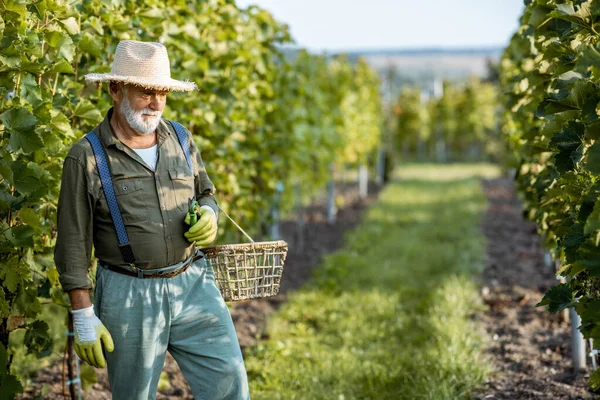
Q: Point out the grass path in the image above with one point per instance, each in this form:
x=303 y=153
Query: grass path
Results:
x=388 y=316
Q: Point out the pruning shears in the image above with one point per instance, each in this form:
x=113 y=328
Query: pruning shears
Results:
x=193 y=210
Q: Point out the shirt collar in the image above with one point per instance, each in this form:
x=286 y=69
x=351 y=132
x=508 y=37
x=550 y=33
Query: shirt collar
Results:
x=108 y=137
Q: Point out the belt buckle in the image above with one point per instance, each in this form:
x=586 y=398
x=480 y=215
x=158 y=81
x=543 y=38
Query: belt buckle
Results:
x=170 y=274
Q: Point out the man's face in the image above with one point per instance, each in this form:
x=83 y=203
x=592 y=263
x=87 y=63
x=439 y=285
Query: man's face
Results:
x=142 y=108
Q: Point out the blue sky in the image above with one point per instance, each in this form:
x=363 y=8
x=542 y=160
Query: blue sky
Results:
x=357 y=25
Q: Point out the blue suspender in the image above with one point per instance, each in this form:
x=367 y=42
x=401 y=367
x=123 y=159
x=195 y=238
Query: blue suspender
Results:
x=183 y=141
x=111 y=199
x=109 y=190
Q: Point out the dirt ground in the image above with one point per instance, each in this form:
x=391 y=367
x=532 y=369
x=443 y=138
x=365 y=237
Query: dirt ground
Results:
x=307 y=245
x=531 y=348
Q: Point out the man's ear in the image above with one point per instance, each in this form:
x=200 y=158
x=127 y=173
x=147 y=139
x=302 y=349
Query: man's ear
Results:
x=115 y=90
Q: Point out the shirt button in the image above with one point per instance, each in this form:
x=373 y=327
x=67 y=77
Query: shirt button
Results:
x=164 y=207
x=156 y=177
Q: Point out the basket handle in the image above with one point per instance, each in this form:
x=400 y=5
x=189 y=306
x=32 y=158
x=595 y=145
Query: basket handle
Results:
x=245 y=234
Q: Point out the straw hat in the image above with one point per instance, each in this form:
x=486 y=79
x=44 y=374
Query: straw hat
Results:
x=143 y=64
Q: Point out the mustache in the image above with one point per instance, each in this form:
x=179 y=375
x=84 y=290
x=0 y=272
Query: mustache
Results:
x=147 y=111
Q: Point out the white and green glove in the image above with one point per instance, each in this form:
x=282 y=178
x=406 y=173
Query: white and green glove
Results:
x=203 y=221
x=90 y=335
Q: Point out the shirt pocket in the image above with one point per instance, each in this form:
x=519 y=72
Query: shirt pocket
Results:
x=131 y=199
x=182 y=187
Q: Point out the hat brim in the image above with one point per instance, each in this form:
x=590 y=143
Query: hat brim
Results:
x=163 y=84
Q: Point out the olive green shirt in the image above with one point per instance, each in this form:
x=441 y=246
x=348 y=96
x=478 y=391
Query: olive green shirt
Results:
x=153 y=205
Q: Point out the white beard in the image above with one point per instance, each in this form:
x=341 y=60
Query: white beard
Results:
x=143 y=126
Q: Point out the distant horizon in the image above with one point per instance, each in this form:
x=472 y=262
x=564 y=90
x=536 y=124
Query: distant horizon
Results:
x=405 y=50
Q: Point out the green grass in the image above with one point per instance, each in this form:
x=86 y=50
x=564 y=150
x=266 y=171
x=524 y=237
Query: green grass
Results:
x=389 y=316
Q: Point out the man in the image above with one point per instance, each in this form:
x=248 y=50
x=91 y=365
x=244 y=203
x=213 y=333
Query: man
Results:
x=155 y=293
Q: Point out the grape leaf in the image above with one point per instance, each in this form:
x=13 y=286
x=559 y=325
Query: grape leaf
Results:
x=557 y=298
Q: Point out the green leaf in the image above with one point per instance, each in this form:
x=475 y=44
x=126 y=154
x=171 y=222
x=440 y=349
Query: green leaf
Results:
x=27 y=142
x=70 y=25
x=54 y=36
x=21 y=125
x=10 y=387
x=572 y=240
x=61 y=41
x=582 y=92
x=26 y=302
x=53 y=275
x=12 y=62
x=567 y=9
x=550 y=106
x=37 y=339
x=6 y=172
x=27 y=177
x=538 y=15
x=592 y=163
x=96 y=23
x=61 y=126
x=558 y=50
x=30 y=90
x=91 y=44
x=35 y=68
x=16 y=6
x=52 y=142
x=581 y=16
x=31 y=218
x=569 y=138
x=565 y=160
x=21 y=235
x=3 y=359
x=14 y=203
x=86 y=110
x=67 y=49
x=62 y=66
x=18 y=120
x=558 y=298
x=4 y=307
x=40 y=8
x=591 y=311
x=595 y=380
x=592 y=224
x=210 y=116
x=588 y=259
x=154 y=13
x=10 y=276
x=58 y=297
x=592 y=130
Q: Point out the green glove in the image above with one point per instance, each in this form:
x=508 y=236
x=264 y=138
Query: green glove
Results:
x=90 y=335
x=204 y=231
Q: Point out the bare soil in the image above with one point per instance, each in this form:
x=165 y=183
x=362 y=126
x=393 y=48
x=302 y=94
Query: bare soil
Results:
x=530 y=348
x=308 y=243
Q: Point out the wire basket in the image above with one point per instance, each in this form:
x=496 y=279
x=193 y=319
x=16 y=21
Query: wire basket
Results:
x=247 y=270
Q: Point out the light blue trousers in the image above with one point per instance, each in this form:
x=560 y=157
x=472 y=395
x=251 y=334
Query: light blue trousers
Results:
x=184 y=315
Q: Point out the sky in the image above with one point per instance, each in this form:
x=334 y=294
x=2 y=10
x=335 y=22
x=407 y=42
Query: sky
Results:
x=334 y=25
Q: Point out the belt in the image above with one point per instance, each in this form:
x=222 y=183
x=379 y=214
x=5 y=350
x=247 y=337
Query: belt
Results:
x=167 y=272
